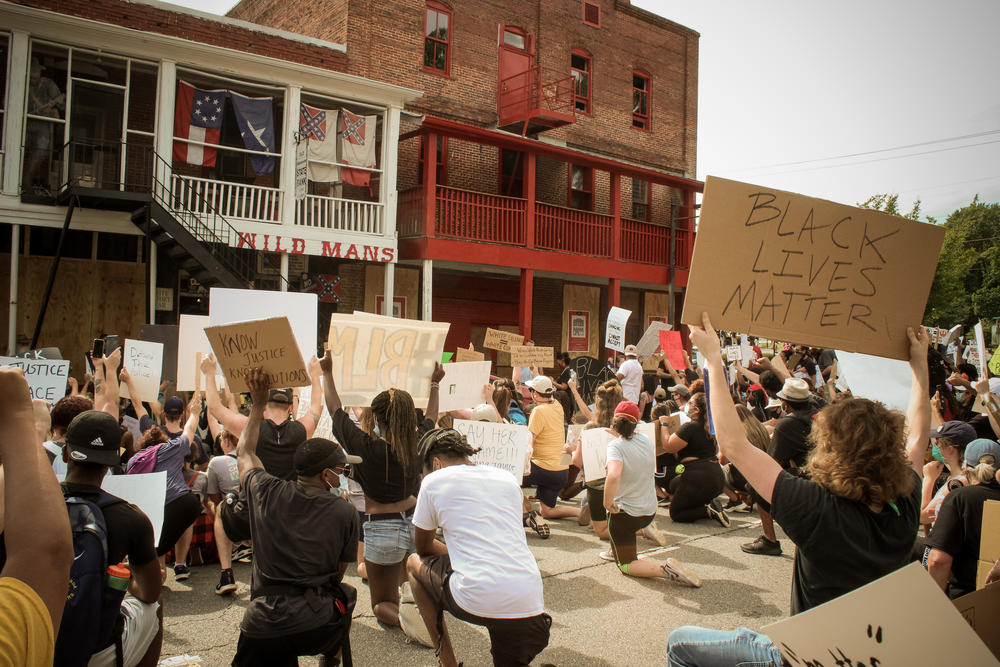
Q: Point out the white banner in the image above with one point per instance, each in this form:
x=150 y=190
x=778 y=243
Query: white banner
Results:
x=503 y=446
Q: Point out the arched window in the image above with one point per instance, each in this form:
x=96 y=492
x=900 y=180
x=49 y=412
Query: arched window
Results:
x=580 y=67
x=437 y=37
x=642 y=90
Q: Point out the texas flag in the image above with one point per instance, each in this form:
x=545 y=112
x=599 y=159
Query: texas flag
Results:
x=198 y=117
x=357 y=146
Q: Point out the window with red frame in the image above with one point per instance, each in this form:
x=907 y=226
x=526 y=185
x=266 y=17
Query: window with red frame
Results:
x=641 y=84
x=581 y=187
x=437 y=38
x=441 y=159
x=579 y=68
x=592 y=13
x=640 y=200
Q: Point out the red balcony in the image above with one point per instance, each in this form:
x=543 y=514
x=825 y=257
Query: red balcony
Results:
x=534 y=100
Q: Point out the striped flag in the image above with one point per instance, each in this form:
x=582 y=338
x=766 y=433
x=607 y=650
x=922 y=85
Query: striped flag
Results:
x=198 y=117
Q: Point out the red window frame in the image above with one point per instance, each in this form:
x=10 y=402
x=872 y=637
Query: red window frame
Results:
x=646 y=203
x=438 y=10
x=582 y=198
x=442 y=161
x=578 y=74
x=594 y=9
x=642 y=121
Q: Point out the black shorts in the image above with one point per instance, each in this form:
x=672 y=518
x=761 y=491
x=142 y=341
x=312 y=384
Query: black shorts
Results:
x=549 y=483
x=622 y=528
x=178 y=514
x=282 y=650
x=513 y=641
x=595 y=502
x=235 y=514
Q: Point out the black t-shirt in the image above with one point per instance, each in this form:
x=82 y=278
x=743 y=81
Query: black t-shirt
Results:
x=380 y=473
x=841 y=544
x=958 y=530
x=790 y=441
x=566 y=375
x=807 y=364
x=130 y=532
x=668 y=381
x=983 y=427
x=276 y=446
x=699 y=443
x=827 y=358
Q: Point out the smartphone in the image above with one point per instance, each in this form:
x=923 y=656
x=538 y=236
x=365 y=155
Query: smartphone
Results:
x=96 y=351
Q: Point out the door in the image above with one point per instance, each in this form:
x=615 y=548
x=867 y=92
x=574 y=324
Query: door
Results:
x=515 y=84
x=95 y=130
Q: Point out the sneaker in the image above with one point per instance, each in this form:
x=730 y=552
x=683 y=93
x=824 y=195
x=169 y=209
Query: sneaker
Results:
x=413 y=624
x=181 y=572
x=607 y=555
x=243 y=553
x=716 y=512
x=654 y=534
x=663 y=502
x=762 y=547
x=536 y=523
x=676 y=572
x=583 y=518
x=227 y=583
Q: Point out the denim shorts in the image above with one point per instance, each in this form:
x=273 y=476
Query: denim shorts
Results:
x=388 y=541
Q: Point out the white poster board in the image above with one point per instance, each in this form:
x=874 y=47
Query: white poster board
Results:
x=462 y=385
x=614 y=334
x=981 y=349
x=876 y=378
x=650 y=341
x=144 y=361
x=647 y=429
x=503 y=446
x=46 y=378
x=899 y=619
x=594 y=450
x=193 y=345
x=148 y=492
x=227 y=306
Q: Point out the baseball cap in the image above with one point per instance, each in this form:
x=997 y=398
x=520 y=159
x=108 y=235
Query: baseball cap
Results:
x=959 y=432
x=979 y=448
x=317 y=454
x=173 y=405
x=484 y=412
x=660 y=393
x=94 y=437
x=679 y=389
x=541 y=384
x=280 y=396
x=628 y=410
x=630 y=351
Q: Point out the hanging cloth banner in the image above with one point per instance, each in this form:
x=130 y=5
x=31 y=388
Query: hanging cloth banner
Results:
x=319 y=127
x=255 y=118
x=197 y=116
x=357 y=146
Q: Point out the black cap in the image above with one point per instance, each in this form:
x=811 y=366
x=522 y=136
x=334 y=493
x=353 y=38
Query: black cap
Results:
x=280 y=396
x=317 y=454
x=94 y=437
x=173 y=405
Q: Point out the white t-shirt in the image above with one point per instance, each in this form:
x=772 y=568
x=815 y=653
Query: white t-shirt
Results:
x=479 y=510
x=631 y=372
x=636 y=492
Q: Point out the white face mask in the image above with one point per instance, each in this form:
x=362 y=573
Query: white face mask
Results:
x=339 y=489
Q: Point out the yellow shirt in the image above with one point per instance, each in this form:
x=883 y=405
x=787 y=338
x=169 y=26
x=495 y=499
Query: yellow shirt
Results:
x=26 y=635
x=547 y=425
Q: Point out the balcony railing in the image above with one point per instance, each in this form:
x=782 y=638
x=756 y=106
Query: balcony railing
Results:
x=645 y=242
x=539 y=93
x=477 y=216
x=233 y=201
x=572 y=230
x=345 y=215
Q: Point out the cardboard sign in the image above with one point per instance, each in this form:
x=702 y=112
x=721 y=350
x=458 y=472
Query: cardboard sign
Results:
x=144 y=361
x=227 y=306
x=46 y=377
x=876 y=378
x=594 y=450
x=899 y=619
x=650 y=341
x=166 y=334
x=267 y=344
x=502 y=340
x=981 y=610
x=503 y=446
x=372 y=353
x=809 y=270
x=614 y=334
x=464 y=354
x=532 y=355
x=192 y=346
x=989 y=542
x=147 y=492
x=673 y=349
x=462 y=385
x=673 y=422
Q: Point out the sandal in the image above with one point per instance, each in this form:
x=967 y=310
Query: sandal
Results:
x=531 y=521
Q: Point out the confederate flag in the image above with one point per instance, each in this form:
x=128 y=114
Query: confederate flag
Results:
x=357 y=147
x=198 y=117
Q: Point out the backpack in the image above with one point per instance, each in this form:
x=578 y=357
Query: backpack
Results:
x=92 y=617
x=144 y=461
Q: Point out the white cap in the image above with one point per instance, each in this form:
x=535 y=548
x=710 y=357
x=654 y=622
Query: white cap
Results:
x=541 y=384
x=484 y=412
x=630 y=351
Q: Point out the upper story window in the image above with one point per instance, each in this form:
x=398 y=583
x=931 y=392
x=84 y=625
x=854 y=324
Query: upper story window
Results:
x=641 y=88
x=592 y=13
x=580 y=68
x=640 y=200
x=581 y=187
x=437 y=38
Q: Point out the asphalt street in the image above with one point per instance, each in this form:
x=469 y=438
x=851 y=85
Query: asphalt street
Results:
x=600 y=617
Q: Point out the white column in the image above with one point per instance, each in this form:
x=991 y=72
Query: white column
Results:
x=152 y=283
x=166 y=100
x=388 y=291
x=15 y=262
x=17 y=86
x=427 y=289
x=388 y=194
x=284 y=272
x=286 y=177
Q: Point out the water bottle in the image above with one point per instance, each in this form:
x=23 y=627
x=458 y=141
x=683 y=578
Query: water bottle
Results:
x=117 y=576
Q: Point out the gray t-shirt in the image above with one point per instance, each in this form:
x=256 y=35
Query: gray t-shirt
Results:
x=636 y=494
x=223 y=475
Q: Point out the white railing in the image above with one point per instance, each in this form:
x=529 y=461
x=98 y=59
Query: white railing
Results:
x=233 y=201
x=348 y=215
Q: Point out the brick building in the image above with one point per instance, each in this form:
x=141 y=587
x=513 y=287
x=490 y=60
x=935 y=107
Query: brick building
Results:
x=545 y=173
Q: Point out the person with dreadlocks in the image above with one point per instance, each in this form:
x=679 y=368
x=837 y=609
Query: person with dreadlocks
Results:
x=390 y=477
x=485 y=575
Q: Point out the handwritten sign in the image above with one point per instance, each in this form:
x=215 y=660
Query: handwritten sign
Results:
x=503 y=446
x=614 y=333
x=46 y=377
x=532 y=355
x=673 y=349
x=372 y=353
x=732 y=352
x=809 y=270
x=267 y=344
x=896 y=620
x=465 y=354
x=594 y=450
x=502 y=340
x=462 y=385
x=876 y=378
x=650 y=341
x=144 y=361
x=228 y=306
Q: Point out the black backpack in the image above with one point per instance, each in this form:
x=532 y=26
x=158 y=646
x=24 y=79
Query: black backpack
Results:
x=92 y=617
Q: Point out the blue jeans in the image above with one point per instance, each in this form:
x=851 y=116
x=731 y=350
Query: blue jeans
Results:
x=691 y=646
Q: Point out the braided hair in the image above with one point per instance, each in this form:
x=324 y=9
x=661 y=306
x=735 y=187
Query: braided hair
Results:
x=445 y=442
x=394 y=408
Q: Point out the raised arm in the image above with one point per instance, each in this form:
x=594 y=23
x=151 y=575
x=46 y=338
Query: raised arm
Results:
x=432 y=398
x=134 y=398
x=310 y=420
x=678 y=381
x=747 y=373
x=111 y=391
x=760 y=470
x=191 y=425
x=580 y=403
x=918 y=414
x=229 y=418
x=246 y=449
x=330 y=393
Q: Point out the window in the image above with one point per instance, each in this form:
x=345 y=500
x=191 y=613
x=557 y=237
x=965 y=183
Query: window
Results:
x=592 y=13
x=640 y=100
x=511 y=173
x=441 y=159
x=514 y=37
x=581 y=187
x=640 y=200
x=579 y=67
x=437 y=38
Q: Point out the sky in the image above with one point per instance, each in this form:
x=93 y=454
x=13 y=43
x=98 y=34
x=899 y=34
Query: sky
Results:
x=843 y=100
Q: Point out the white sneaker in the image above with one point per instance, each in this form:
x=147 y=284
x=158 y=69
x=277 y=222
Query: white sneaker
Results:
x=676 y=572
x=405 y=594
x=654 y=534
x=413 y=625
x=607 y=555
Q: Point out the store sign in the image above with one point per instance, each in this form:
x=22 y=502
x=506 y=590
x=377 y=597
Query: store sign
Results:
x=300 y=246
x=301 y=168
